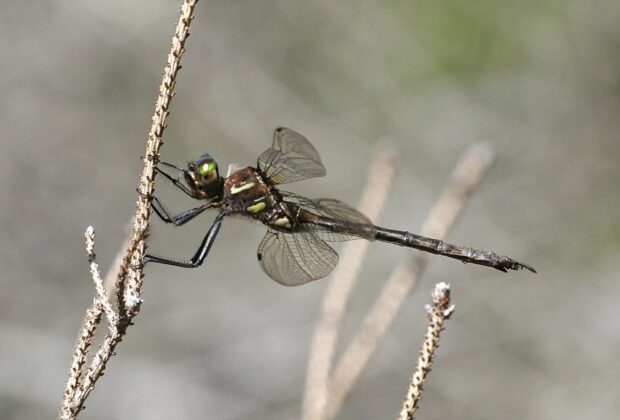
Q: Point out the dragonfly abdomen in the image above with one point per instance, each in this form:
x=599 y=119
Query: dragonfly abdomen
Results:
x=436 y=246
x=344 y=229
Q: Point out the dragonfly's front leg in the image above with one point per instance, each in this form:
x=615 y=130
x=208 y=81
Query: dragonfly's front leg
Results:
x=177 y=183
x=178 y=219
x=201 y=253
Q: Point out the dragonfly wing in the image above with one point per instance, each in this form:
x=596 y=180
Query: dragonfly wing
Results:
x=338 y=210
x=291 y=158
x=342 y=211
x=333 y=209
x=295 y=259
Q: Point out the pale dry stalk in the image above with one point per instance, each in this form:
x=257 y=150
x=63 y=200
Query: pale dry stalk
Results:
x=465 y=178
x=101 y=299
x=438 y=313
x=84 y=341
x=129 y=279
x=133 y=263
x=339 y=289
x=102 y=304
x=109 y=282
x=79 y=384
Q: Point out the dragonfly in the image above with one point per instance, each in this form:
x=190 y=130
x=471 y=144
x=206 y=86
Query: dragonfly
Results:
x=295 y=249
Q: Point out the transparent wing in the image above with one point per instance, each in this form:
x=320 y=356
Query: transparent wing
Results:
x=333 y=209
x=291 y=158
x=295 y=259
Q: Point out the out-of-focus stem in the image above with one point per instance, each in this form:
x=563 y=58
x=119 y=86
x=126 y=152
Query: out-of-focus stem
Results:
x=466 y=177
x=339 y=289
x=438 y=312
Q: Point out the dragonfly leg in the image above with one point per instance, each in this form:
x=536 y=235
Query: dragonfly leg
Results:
x=178 y=219
x=172 y=165
x=201 y=253
x=180 y=185
x=161 y=211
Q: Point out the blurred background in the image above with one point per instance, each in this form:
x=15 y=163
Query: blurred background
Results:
x=539 y=81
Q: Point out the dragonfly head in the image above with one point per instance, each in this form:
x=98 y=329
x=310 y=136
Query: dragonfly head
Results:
x=203 y=177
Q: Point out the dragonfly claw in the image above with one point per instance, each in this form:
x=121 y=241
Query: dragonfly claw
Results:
x=138 y=266
x=506 y=263
x=528 y=267
x=151 y=158
x=141 y=194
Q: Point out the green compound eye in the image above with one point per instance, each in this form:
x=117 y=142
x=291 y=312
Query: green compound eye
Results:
x=206 y=168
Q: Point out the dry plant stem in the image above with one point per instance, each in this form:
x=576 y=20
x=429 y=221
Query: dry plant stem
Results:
x=131 y=268
x=339 y=289
x=84 y=341
x=438 y=313
x=109 y=282
x=129 y=279
x=101 y=305
x=465 y=178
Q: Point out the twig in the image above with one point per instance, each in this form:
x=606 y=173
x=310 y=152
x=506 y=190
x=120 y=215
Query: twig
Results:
x=84 y=341
x=109 y=282
x=465 y=178
x=339 y=289
x=132 y=265
x=129 y=279
x=102 y=297
x=101 y=305
x=438 y=313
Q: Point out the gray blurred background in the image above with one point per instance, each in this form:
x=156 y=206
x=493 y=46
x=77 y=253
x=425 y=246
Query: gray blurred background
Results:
x=537 y=80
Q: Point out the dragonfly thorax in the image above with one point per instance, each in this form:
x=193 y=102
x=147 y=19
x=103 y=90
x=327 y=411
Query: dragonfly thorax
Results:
x=248 y=193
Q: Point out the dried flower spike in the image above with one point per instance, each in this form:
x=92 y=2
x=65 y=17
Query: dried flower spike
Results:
x=438 y=312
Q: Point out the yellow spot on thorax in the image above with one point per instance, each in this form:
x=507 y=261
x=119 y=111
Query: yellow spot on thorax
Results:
x=256 y=208
x=236 y=189
x=282 y=221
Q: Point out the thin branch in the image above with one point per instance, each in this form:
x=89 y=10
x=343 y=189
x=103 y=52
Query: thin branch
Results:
x=438 y=313
x=84 y=341
x=102 y=297
x=339 y=289
x=132 y=265
x=465 y=178
x=109 y=282
x=101 y=305
x=129 y=280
